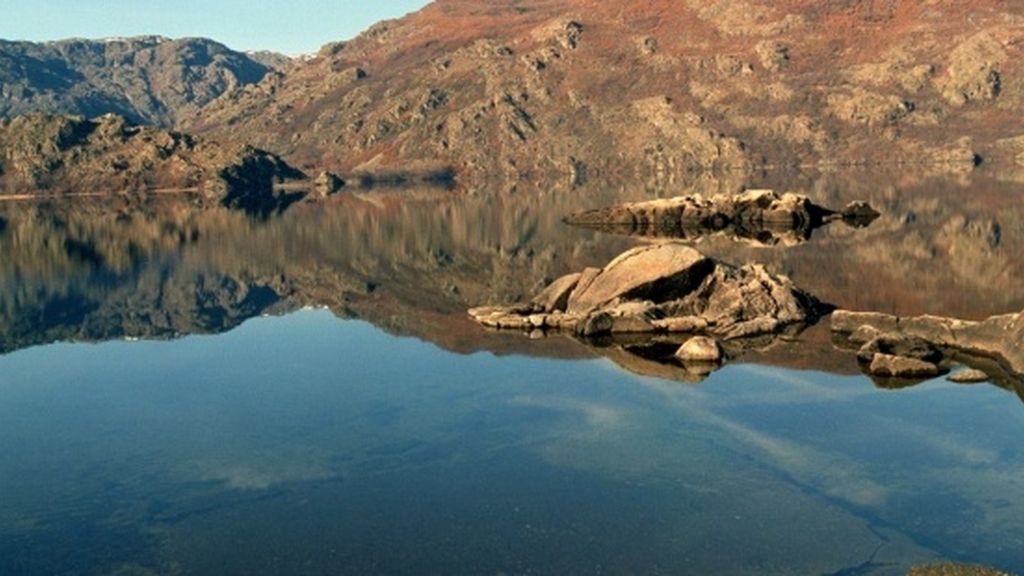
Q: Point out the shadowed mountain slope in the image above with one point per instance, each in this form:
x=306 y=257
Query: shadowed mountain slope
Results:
x=148 y=79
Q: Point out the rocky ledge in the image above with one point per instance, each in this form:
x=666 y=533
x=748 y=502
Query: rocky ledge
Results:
x=663 y=288
x=927 y=346
x=759 y=216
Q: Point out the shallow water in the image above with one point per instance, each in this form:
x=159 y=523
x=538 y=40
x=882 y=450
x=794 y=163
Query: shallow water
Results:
x=245 y=433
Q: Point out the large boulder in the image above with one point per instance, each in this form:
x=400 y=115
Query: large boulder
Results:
x=663 y=288
x=645 y=273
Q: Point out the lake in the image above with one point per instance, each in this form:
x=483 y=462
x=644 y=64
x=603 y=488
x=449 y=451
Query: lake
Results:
x=188 y=391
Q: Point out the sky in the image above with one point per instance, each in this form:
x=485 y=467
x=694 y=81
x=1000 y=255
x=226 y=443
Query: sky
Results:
x=292 y=27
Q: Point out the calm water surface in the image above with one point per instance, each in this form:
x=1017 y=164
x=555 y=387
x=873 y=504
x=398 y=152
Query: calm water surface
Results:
x=229 y=441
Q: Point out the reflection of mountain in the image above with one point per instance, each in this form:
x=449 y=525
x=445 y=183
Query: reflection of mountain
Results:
x=412 y=261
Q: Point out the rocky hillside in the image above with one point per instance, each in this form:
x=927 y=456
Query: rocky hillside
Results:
x=60 y=154
x=575 y=88
x=148 y=79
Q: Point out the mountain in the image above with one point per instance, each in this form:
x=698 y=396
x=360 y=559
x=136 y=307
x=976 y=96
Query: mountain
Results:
x=576 y=88
x=149 y=79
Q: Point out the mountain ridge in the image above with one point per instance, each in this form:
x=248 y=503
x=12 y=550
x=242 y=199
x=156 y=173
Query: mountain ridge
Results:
x=577 y=87
x=147 y=79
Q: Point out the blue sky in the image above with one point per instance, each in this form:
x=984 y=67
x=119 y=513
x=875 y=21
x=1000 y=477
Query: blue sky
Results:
x=292 y=26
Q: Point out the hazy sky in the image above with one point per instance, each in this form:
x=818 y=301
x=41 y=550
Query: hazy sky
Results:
x=292 y=26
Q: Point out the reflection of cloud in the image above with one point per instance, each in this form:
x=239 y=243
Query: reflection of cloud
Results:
x=798 y=386
x=833 y=474
x=952 y=446
x=595 y=414
x=262 y=475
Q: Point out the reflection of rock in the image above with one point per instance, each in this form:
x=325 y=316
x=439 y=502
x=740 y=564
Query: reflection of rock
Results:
x=663 y=288
x=934 y=340
x=762 y=216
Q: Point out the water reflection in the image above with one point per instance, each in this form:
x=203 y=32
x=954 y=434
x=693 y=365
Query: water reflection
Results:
x=304 y=444
x=413 y=260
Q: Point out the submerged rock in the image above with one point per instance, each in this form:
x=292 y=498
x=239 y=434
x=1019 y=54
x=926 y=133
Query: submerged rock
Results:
x=663 y=288
x=760 y=216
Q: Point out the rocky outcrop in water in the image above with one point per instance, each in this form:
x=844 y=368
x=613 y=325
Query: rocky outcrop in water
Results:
x=925 y=346
x=54 y=155
x=664 y=288
x=759 y=216
x=147 y=79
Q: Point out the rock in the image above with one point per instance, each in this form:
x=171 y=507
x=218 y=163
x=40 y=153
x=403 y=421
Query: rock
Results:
x=968 y=376
x=667 y=271
x=631 y=324
x=667 y=288
x=555 y=298
x=326 y=184
x=901 y=367
x=246 y=181
x=859 y=214
x=899 y=345
x=758 y=216
x=596 y=324
x=681 y=324
x=1000 y=337
x=774 y=56
x=848 y=322
x=700 y=349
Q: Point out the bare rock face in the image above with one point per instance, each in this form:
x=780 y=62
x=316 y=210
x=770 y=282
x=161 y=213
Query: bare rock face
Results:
x=663 y=288
x=53 y=155
x=148 y=79
x=652 y=90
x=761 y=217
